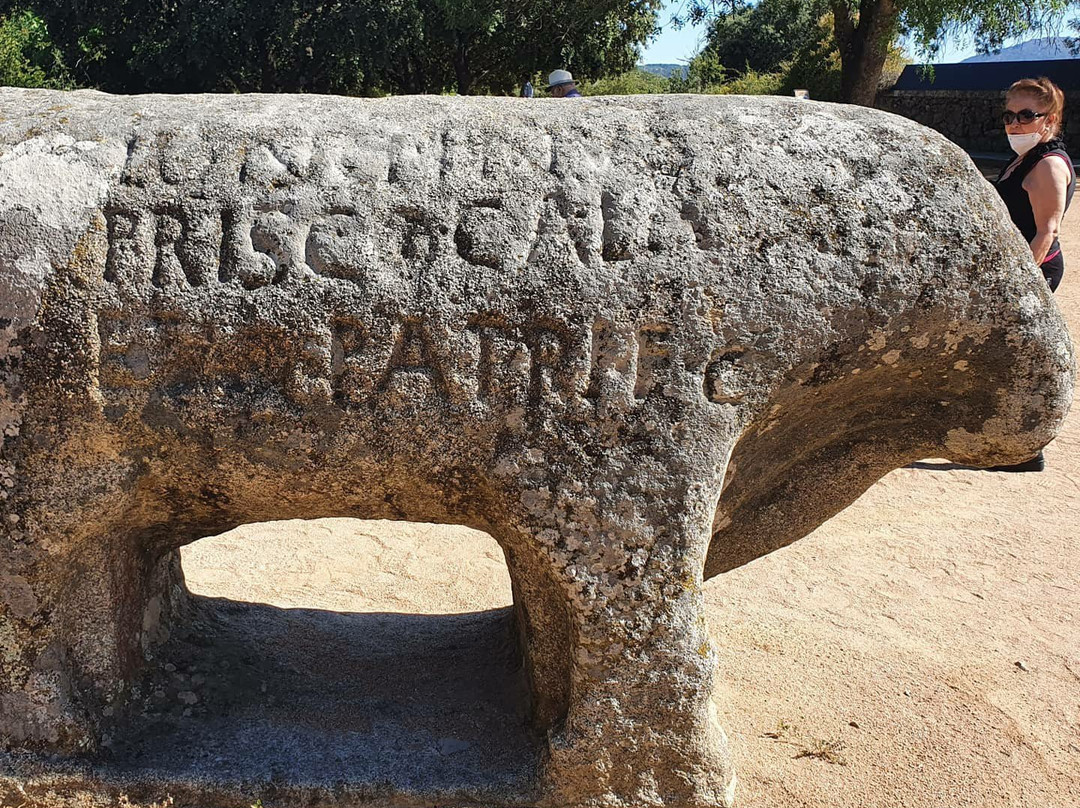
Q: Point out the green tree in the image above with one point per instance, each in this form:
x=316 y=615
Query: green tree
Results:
x=763 y=36
x=865 y=30
x=494 y=45
x=694 y=12
x=632 y=82
x=357 y=47
x=771 y=47
x=816 y=65
x=775 y=46
x=28 y=57
x=239 y=45
x=704 y=74
x=1073 y=43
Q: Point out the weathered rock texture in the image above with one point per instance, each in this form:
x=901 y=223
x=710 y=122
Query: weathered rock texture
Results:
x=639 y=342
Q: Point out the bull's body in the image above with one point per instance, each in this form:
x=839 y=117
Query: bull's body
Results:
x=638 y=342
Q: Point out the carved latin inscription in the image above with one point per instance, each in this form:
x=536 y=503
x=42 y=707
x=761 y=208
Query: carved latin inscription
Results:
x=539 y=365
x=310 y=213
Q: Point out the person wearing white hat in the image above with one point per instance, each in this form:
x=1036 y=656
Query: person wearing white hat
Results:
x=561 y=85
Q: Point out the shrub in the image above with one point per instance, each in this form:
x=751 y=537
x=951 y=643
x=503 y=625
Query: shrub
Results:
x=705 y=74
x=633 y=82
x=752 y=83
x=28 y=57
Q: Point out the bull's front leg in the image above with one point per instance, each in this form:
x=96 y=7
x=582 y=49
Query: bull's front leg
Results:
x=639 y=727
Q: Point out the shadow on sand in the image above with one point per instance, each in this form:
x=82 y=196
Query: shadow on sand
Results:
x=299 y=707
x=941 y=465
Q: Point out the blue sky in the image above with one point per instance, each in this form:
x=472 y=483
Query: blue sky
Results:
x=677 y=47
x=673 y=46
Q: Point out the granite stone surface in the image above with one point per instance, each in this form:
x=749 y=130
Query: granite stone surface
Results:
x=639 y=341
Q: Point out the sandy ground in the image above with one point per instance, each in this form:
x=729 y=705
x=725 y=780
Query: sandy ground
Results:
x=920 y=649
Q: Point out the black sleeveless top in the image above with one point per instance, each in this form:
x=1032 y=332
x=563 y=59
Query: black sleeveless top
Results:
x=1011 y=189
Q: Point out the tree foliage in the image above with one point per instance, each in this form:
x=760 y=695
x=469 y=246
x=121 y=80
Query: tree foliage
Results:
x=341 y=46
x=695 y=12
x=632 y=82
x=28 y=57
x=775 y=46
x=763 y=36
x=864 y=30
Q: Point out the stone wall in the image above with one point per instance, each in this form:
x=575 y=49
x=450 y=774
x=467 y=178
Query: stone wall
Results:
x=970 y=119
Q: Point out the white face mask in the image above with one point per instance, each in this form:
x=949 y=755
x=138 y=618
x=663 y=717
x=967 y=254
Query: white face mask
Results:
x=1022 y=144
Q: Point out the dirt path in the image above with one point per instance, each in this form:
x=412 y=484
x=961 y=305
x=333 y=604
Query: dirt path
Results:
x=920 y=649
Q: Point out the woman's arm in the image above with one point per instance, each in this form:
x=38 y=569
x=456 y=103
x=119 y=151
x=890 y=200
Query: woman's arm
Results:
x=1045 y=185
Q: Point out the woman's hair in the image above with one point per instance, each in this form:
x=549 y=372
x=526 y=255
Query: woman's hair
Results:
x=1047 y=93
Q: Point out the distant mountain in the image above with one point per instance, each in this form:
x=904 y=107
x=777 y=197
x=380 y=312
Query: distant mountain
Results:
x=1035 y=50
x=665 y=70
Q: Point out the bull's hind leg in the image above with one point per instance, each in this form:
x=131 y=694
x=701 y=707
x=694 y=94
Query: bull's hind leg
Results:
x=637 y=724
x=76 y=635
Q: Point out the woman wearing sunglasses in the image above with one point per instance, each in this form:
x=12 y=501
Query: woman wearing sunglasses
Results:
x=1037 y=186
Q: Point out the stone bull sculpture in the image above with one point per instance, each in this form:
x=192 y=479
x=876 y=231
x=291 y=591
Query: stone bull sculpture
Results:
x=639 y=342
